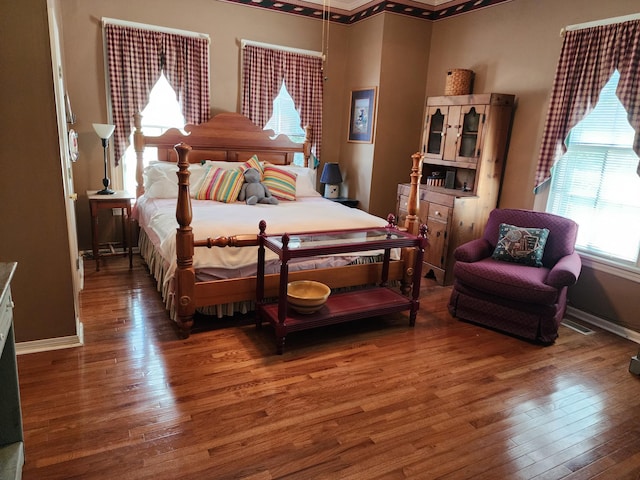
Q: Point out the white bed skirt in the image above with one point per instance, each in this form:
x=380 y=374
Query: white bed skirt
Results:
x=158 y=268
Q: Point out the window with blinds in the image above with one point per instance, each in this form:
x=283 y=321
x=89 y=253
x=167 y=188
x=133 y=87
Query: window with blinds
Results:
x=285 y=120
x=595 y=183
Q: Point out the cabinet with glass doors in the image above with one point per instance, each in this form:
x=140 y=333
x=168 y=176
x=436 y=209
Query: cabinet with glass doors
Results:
x=464 y=147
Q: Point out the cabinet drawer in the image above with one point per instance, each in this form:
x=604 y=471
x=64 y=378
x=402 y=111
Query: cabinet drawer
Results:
x=403 y=210
x=439 y=212
x=5 y=318
x=405 y=189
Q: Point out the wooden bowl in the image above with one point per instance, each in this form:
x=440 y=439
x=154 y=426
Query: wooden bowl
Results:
x=307 y=296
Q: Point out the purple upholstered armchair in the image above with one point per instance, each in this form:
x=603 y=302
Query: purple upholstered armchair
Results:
x=522 y=300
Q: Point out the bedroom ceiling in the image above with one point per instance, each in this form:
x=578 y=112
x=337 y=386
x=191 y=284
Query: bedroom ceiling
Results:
x=352 y=11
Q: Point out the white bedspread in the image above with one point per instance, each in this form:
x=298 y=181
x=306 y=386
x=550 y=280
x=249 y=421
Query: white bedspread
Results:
x=214 y=219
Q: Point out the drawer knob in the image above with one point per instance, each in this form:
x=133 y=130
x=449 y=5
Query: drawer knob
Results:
x=438 y=213
x=1 y=337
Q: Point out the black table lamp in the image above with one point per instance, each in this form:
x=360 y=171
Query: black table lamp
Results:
x=105 y=131
x=332 y=178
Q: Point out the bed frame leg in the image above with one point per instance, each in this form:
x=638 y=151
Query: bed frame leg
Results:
x=185 y=324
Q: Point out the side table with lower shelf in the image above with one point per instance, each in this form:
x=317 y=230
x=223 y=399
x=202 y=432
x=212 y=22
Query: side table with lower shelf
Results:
x=118 y=200
x=340 y=307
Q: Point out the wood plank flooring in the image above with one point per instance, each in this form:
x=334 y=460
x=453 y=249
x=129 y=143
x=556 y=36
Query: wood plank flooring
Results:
x=373 y=399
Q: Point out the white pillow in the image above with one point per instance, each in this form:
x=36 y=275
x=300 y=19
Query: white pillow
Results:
x=222 y=164
x=305 y=180
x=160 y=179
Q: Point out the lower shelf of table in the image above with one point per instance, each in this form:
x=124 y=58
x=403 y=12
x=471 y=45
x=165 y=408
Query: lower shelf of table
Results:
x=340 y=307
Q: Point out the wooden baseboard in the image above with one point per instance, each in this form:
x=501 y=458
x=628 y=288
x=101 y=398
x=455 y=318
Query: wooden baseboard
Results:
x=604 y=324
x=47 y=344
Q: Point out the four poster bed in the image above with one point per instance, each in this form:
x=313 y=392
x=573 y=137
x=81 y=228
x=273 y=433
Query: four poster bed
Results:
x=183 y=237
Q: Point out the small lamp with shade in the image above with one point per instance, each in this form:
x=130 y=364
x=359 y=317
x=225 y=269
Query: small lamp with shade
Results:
x=332 y=178
x=104 y=131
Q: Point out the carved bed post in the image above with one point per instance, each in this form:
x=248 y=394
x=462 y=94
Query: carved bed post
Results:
x=138 y=146
x=412 y=222
x=307 y=146
x=185 y=273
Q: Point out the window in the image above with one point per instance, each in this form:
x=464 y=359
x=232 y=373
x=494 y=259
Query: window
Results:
x=285 y=120
x=136 y=55
x=161 y=113
x=264 y=69
x=595 y=183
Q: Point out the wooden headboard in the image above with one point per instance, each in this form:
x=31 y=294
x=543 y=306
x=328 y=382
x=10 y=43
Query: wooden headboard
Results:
x=229 y=137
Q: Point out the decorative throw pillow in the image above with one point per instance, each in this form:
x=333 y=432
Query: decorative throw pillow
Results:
x=521 y=244
x=305 y=180
x=253 y=162
x=221 y=185
x=281 y=183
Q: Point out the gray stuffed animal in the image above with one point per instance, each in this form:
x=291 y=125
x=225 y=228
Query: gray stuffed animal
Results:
x=254 y=191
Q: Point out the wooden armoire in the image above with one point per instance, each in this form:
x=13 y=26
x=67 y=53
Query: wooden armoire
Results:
x=464 y=147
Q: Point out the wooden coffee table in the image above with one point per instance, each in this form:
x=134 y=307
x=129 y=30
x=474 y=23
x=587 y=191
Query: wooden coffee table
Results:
x=340 y=307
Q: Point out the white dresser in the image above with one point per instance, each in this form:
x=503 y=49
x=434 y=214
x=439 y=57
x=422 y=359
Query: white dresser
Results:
x=11 y=437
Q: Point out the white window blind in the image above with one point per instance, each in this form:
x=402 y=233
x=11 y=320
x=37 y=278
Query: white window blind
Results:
x=595 y=182
x=285 y=120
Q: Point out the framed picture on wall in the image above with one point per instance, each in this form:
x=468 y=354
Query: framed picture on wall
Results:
x=362 y=115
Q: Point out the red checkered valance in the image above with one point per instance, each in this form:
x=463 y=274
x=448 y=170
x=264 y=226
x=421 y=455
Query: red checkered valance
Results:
x=587 y=60
x=136 y=58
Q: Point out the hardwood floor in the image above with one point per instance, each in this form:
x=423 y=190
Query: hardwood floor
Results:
x=369 y=400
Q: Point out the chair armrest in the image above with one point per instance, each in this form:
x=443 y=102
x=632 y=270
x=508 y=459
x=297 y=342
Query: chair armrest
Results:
x=473 y=251
x=565 y=272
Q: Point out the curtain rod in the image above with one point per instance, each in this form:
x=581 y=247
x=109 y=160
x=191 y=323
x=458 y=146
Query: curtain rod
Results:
x=598 y=23
x=311 y=53
x=155 y=28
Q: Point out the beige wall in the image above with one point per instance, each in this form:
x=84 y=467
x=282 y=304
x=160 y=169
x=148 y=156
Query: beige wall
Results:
x=405 y=56
x=513 y=48
x=363 y=71
x=389 y=52
x=33 y=215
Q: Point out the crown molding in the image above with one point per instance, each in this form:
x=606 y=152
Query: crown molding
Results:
x=406 y=7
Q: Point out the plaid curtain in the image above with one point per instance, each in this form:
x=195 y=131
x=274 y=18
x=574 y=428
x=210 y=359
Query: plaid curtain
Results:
x=264 y=69
x=186 y=67
x=136 y=58
x=587 y=60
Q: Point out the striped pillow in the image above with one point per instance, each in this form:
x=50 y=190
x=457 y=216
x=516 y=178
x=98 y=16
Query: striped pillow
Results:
x=281 y=183
x=253 y=162
x=221 y=185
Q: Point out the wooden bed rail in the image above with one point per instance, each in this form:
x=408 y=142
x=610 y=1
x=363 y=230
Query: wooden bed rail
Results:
x=246 y=240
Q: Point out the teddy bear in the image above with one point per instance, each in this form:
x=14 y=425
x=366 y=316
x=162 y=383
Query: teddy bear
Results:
x=254 y=191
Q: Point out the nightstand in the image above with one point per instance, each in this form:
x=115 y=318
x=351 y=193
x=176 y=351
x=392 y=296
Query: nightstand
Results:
x=122 y=200
x=349 y=202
